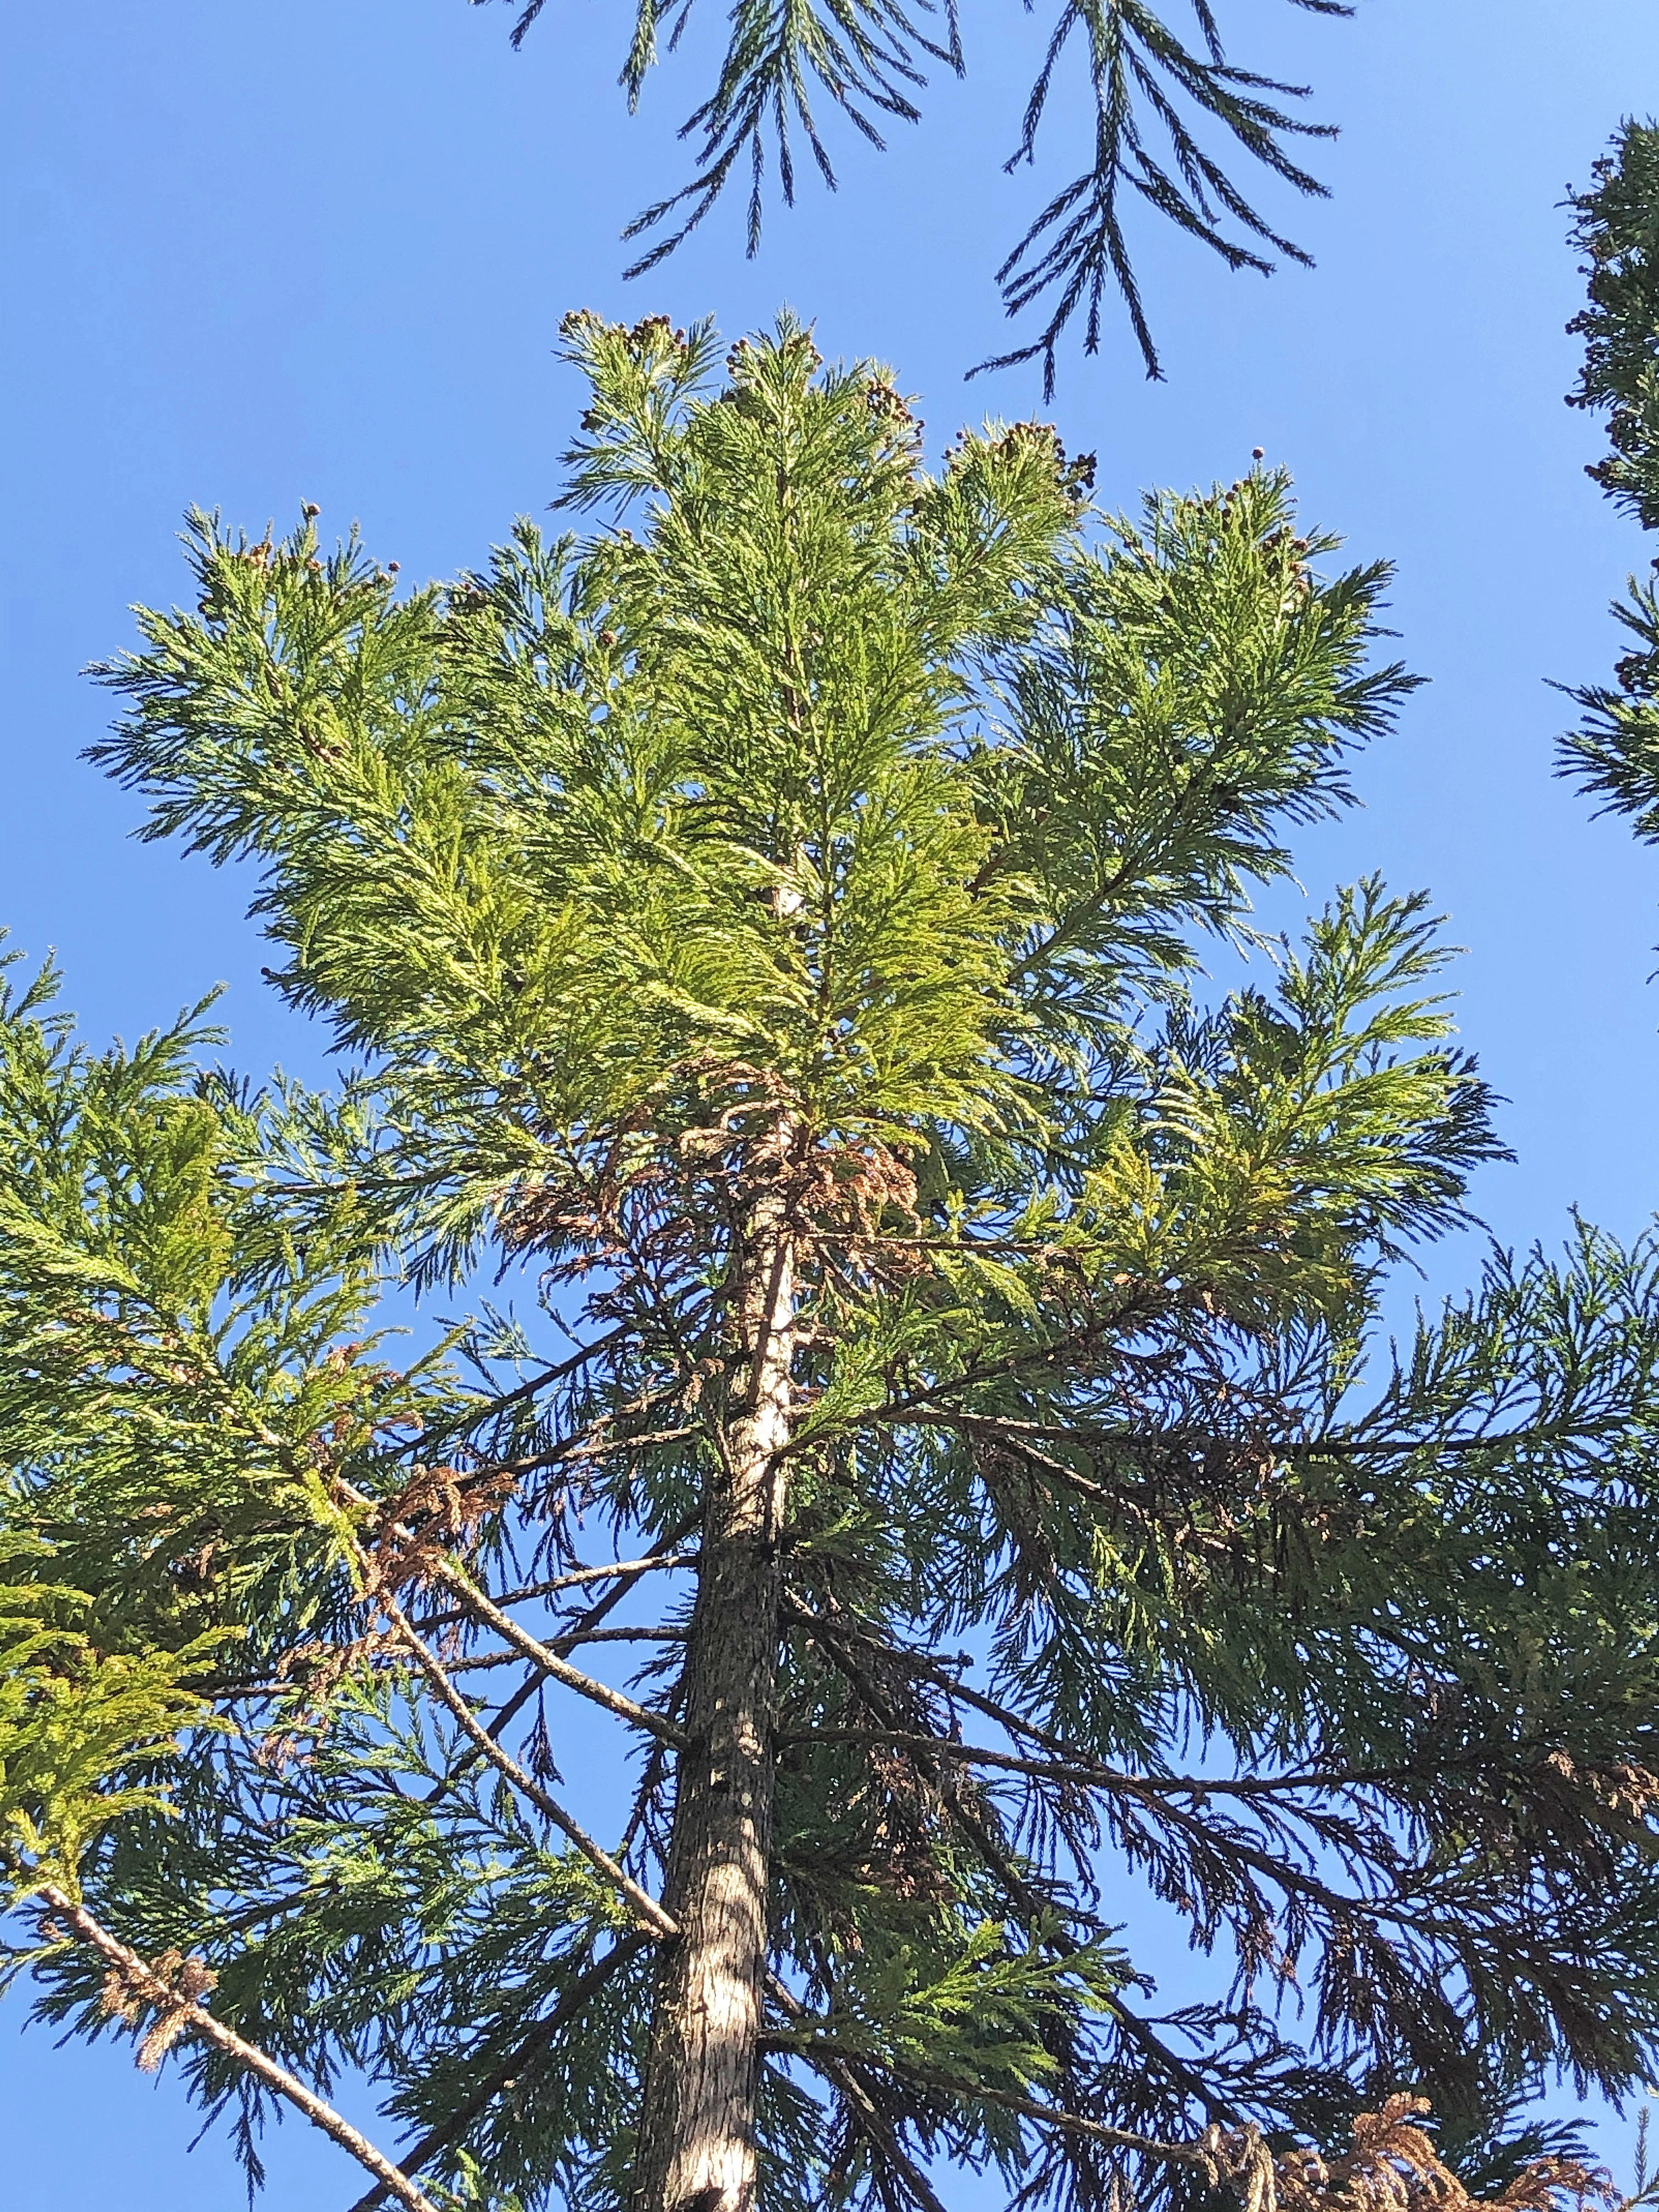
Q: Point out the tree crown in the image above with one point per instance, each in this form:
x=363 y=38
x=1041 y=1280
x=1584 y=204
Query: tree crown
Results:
x=767 y=930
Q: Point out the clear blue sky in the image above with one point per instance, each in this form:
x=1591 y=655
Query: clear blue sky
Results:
x=262 y=250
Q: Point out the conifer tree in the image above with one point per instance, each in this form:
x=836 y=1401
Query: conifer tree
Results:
x=904 y=1372
x=1170 y=116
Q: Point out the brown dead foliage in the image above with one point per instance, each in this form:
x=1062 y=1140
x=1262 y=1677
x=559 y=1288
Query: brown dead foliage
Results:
x=438 y=1511
x=1394 y=2166
x=171 y=1988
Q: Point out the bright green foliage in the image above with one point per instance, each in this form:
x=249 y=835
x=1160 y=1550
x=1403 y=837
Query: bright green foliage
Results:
x=896 y=810
x=1160 y=95
x=1614 y=755
x=76 y=1725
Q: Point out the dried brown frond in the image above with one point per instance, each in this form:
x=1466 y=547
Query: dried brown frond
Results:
x=324 y=1666
x=1394 y=2167
x=863 y=1197
x=171 y=1988
x=438 y=1511
x=116 y=2000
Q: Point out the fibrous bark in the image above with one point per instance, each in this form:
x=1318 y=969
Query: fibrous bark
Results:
x=697 y=2150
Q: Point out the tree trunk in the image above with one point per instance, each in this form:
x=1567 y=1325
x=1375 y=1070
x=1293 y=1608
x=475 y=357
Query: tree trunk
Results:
x=696 y=2139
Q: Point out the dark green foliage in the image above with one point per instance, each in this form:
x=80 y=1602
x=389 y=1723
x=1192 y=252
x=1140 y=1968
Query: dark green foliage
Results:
x=1617 y=227
x=896 y=809
x=1157 y=94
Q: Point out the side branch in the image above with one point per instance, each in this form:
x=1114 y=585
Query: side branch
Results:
x=645 y=1905
x=179 y=2013
x=440 y=1568
x=1077 y=1768
x=626 y=1571
x=532 y=1648
x=563 y=1644
x=1219 y=2157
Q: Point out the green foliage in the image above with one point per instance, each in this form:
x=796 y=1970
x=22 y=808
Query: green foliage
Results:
x=837 y=831
x=1156 y=93
x=76 y=1724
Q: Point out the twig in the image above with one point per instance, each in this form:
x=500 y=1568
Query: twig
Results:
x=625 y=1571
x=181 y=2011
x=476 y=1661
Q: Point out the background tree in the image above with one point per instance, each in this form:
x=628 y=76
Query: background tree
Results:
x=1614 y=754
x=770 y=940
x=1157 y=93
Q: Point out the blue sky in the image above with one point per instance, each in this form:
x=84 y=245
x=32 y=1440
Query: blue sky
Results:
x=263 y=251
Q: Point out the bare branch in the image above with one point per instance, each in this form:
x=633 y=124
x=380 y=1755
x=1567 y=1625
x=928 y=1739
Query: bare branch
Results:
x=441 y=1568
x=455 y=1578
x=625 y=1571
x=562 y=1644
x=475 y=1663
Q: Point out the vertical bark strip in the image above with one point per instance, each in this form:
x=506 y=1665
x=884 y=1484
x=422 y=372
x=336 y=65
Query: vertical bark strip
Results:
x=696 y=2141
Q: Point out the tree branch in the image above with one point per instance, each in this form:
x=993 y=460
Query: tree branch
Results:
x=440 y=1567
x=1211 y=2155
x=179 y=2010
x=625 y=1571
x=1032 y=1903
x=879 y=2128
x=476 y=1661
x=543 y=1655
x=650 y=1912
x=578 y=1360
x=595 y=1612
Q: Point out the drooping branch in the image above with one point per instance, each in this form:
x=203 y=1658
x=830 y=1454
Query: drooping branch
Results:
x=1036 y=1912
x=877 y=2128
x=1345 y=1446
x=1077 y=1770
x=570 y=2006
